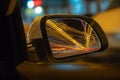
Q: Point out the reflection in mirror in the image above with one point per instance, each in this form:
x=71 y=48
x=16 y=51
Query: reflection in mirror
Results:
x=70 y=37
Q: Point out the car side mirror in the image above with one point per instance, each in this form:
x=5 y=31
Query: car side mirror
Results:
x=60 y=37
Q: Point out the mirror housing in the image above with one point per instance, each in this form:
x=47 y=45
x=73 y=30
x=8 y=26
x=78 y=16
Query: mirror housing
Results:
x=60 y=37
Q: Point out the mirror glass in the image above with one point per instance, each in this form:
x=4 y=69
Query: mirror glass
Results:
x=71 y=36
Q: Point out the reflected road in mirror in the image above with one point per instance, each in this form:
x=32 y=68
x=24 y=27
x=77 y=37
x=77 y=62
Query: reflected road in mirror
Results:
x=71 y=36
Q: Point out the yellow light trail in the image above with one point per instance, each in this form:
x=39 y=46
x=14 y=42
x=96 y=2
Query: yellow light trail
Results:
x=88 y=32
x=55 y=27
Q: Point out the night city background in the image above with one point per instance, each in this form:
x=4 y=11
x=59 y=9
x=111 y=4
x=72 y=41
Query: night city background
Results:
x=34 y=8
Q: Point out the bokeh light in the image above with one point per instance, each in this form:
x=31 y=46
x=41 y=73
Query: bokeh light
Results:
x=38 y=10
x=30 y=4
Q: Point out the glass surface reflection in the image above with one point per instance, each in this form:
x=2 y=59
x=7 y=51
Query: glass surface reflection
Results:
x=68 y=67
x=71 y=36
